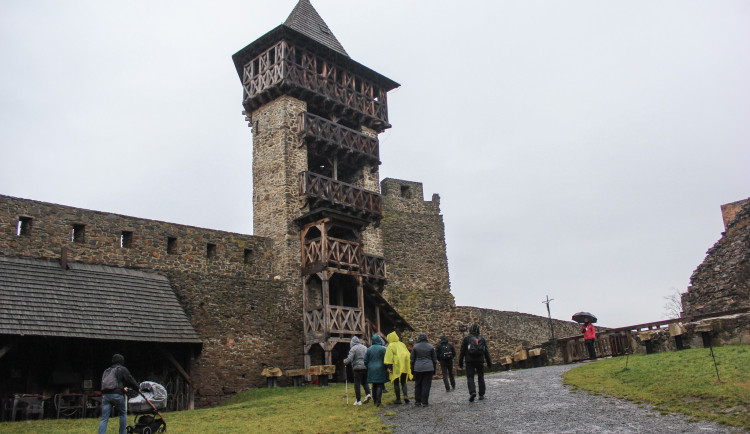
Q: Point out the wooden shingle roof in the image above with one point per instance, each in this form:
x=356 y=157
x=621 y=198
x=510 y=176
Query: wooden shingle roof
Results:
x=40 y=298
x=306 y=20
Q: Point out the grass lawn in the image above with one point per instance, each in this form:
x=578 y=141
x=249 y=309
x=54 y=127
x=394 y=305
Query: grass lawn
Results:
x=676 y=382
x=284 y=409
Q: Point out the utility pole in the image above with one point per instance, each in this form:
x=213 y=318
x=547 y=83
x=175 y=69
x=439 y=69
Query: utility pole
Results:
x=549 y=315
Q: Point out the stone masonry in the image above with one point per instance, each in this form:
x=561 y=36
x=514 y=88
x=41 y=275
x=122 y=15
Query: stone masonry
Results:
x=418 y=280
x=722 y=282
x=231 y=295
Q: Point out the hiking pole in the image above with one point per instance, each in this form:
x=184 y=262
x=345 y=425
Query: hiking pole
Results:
x=346 y=382
x=712 y=356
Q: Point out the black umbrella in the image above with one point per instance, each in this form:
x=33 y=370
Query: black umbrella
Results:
x=581 y=317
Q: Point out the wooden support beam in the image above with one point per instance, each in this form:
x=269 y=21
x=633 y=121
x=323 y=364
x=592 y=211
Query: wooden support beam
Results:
x=177 y=366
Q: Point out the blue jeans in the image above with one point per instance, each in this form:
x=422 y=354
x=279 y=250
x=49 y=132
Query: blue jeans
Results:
x=108 y=401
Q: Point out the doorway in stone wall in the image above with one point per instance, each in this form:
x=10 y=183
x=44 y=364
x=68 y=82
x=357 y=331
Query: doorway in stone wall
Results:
x=338 y=354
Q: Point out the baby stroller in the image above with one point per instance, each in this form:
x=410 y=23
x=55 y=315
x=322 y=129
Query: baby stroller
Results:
x=151 y=398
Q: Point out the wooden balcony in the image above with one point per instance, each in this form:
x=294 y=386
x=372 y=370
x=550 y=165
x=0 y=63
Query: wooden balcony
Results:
x=320 y=191
x=342 y=255
x=320 y=130
x=341 y=320
x=286 y=68
x=373 y=267
x=334 y=252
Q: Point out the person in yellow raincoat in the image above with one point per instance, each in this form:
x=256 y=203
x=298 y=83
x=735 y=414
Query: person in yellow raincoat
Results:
x=398 y=361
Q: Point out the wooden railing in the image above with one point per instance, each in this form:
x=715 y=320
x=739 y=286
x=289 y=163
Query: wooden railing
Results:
x=295 y=66
x=335 y=252
x=317 y=188
x=314 y=324
x=373 y=266
x=341 y=320
x=345 y=138
x=345 y=320
x=606 y=344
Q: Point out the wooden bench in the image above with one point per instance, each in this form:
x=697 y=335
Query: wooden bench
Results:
x=271 y=375
x=297 y=375
x=322 y=372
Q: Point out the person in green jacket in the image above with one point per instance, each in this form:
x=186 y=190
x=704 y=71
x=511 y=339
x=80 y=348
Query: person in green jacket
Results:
x=397 y=360
x=377 y=375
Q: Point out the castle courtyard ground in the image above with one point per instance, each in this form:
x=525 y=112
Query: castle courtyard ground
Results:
x=533 y=401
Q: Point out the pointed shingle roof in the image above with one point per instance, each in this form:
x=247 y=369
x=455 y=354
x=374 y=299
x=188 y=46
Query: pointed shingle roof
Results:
x=306 y=20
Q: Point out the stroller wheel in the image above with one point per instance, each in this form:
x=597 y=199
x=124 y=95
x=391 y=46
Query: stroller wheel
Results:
x=146 y=430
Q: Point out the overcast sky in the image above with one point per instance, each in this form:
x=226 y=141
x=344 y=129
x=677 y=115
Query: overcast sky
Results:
x=581 y=149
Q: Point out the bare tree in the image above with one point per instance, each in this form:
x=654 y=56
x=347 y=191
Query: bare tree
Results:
x=673 y=305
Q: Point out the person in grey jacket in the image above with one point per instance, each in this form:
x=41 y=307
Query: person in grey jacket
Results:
x=423 y=365
x=356 y=358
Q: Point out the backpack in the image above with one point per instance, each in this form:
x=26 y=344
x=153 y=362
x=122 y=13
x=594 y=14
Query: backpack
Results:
x=109 y=378
x=476 y=346
x=445 y=352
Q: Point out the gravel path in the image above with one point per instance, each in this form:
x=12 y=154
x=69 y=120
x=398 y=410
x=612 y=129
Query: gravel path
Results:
x=531 y=400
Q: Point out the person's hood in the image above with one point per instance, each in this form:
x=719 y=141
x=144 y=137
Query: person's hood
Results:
x=422 y=337
x=355 y=341
x=377 y=340
x=443 y=339
x=392 y=337
x=474 y=330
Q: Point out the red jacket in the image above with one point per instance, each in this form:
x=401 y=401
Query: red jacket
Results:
x=589 y=331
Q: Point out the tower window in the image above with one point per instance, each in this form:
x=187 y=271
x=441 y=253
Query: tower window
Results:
x=126 y=239
x=171 y=245
x=406 y=191
x=248 y=256
x=24 y=226
x=79 y=233
x=210 y=251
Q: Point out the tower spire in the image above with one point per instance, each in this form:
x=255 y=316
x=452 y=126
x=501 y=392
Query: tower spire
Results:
x=306 y=20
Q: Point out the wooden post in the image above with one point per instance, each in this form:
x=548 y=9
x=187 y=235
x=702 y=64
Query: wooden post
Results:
x=361 y=304
x=377 y=318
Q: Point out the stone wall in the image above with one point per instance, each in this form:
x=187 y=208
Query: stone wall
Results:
x=722 y=282
x=244 y=314
x=729 y=211
x=417 y=266
x=418 y=280
x=278 y=159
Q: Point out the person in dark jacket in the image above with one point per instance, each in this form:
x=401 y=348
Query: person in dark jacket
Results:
x=356 y=358
x=474 y=350
x=376 y=372
x=423 y=365
x=115 y=382
x=445 y=355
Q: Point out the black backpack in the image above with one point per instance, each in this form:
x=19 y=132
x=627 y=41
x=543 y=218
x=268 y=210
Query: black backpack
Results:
x=109 y=378
x=445 y=352
x=476 y=346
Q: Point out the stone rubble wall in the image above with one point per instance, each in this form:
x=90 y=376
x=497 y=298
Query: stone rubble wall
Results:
x=722 y=281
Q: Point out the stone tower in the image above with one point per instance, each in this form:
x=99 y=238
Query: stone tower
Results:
x=315 y=115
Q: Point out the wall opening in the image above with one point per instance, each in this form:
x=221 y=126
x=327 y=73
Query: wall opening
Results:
x=78 y=235
x=343 y=290
x=210 y=251
x=406 y=192
x=248 y=256
x=171 y=245
x=126 y=239
x=24 y=226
